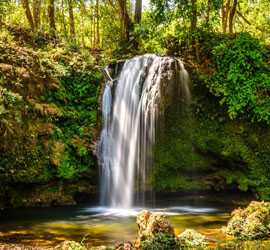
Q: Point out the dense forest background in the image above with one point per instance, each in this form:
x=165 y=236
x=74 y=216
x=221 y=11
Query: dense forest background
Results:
x=51 y=54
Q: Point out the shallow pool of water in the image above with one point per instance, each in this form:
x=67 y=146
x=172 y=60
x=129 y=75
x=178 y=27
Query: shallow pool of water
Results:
x=102 y=226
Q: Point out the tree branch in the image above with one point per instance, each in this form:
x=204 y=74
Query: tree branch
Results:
x=242 y=16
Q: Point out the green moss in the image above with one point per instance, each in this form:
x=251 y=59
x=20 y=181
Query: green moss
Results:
x=159 y=242
x=202 y=148
x=252 y=222
x=48 y=119
x=78 y=100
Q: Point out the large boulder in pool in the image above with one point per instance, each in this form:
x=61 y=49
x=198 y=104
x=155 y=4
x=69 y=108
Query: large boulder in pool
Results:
x=150 y=224
x=252 y=222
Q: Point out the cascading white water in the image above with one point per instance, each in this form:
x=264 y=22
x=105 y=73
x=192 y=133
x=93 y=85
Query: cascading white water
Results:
x=131 y=107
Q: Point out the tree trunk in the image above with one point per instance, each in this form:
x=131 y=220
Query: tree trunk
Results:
x=94 y=30
x=193 y=15
x=193 y=25
x=71 y=21
x=138 y=11
x=28 y=14
x=222 y=16
x=91 y=31
x=63 y=20
x=128 y=25
x=208 y=14
x=232 y=13
x=51 y=16
x=225 y=13
x=137 y=19
x=36 y=13
x=97 y=18
x=83 y=34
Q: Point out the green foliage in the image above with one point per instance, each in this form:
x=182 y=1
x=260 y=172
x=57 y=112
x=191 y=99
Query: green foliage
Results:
x=24 y=164
x=10 y=107
x=73 y=166
x=241 y=76
x=78 y=100
x=4 y=7
x=49 y=147
x=160 y=241
x=209 y=151
x=82 y=151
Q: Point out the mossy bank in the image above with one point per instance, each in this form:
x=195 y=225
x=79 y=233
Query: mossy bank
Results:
x=219 y=142
x=49 y=124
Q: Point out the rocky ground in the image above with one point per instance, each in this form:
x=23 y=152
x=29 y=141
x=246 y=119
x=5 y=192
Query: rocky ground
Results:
x=20 y=247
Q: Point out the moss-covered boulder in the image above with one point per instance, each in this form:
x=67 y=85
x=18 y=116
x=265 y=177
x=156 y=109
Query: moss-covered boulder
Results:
x=191 y=238
x=150 y=224
x=252 y=222
x=156 y=232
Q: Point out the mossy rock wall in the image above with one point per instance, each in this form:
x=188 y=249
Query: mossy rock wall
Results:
x=48 y=125
x=199 y=148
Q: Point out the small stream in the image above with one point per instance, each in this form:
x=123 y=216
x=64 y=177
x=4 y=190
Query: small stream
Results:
x=103 y=226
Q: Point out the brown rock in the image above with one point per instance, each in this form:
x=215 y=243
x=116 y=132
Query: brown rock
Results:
x=46 y=109
x=151 y=223
x=125 y=246
x=57 y=155
x=46 y=129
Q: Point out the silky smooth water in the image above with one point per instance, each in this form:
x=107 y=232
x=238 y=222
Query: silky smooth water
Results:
x=131 y=106
x=103 y=226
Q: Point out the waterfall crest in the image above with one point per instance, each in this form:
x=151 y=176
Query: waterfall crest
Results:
x=131 y=107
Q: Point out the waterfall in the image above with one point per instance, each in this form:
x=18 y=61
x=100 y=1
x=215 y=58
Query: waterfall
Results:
x=131 y=107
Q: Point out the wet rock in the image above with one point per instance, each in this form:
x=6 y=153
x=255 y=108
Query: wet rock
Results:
x=191 y=238
x=46 y=110
x=39 y=195
x=46 y=129
x=151 y=223
x=252 y=222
